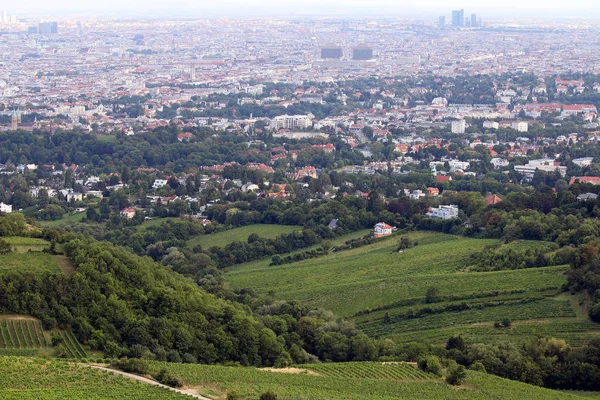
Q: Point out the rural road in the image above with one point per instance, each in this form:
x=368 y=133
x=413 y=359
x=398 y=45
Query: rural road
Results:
x=150 y=382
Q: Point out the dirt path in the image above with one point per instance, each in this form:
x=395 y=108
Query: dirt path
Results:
x=151 y=382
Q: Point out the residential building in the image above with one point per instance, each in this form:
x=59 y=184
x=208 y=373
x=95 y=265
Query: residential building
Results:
x=291 y=122
x=459 y=126
x=6 y=208
x=443 y=212
x=382 y=229
x=128 y=213
x=583 y=161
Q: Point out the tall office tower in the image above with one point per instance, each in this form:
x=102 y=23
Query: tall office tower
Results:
x=331 y=51
x=458 y=18
x=4 y=17
x=13 y=19
x=362 y=52
x=442 y=22
x=474 y=23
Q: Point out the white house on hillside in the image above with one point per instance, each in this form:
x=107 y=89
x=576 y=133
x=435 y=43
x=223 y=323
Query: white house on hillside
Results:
x=382 y=229
x=443 y=212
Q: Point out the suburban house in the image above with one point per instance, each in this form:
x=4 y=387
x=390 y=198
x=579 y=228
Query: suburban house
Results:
x=492 y=199
x=594 y=180
x=382 y=229
x=5 y=208
x=158 y=183
x=128 y=213
x=433 y=191
x=443 y=212
x=587 y=196
x=416 y=194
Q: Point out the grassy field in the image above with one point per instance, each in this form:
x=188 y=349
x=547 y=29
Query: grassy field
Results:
x=24 y=336
x=355 y=381
x=241 y=234
x=384 y=291
x=29 y=262
x=23 y=244
x=67 y=219
x=37 y=379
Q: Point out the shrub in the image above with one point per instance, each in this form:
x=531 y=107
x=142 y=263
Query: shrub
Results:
x=133 y=365
x=478 y=366
x=456 y=342
x=167 y=379
x=233 y=396
x=268 y=396
x=430 y=364
x=456 y=374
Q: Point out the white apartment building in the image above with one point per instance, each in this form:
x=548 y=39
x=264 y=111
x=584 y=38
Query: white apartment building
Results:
x=542 y=164
x=291 y=122
x=520 y=126
x=459 y=126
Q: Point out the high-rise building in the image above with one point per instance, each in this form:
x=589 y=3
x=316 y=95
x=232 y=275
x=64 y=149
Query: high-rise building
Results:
x=331 y=51
x=442 y=22
x=458 y=18
x=474 y=23
x=4 y=17
x=45 y=28
x=362 y=52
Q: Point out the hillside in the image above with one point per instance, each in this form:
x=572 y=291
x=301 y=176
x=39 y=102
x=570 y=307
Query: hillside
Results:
x=344 y=381
x=384 y=291
x=38 y=379
x=222 y=239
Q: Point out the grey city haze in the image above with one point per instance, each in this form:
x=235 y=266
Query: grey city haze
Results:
x=240 y=8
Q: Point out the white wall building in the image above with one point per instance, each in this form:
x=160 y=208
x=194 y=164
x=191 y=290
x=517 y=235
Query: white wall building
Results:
x=291 y=122
x=583 y=161
x=5 y=208
x=520 y=126
x=443 y=212
x=459 y=126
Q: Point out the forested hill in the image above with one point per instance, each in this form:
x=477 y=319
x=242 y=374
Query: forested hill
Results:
x=126 y=305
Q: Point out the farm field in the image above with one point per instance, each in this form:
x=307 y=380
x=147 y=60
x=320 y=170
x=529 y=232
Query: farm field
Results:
x=356 y=381
x=36 y=262
x=24 y=336
x=24 y=244
x=37 y=379
x=67 y=219
x=384 y=291
x=265 y=263
x=222 y=239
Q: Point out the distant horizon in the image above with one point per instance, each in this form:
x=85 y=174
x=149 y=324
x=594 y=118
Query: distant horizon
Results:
x=578 y=9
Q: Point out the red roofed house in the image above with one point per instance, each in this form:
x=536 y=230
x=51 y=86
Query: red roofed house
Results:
x=327 y=148
x=184 y=137
x=128 y=213
x=433 y=191
x=382 y=230
x=492 y=199
x=443 y=178
x=594 y=180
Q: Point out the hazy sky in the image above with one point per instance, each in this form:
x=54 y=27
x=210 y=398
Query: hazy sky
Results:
x=144 y=7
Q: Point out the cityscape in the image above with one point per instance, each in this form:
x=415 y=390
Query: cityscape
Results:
x=273 y=200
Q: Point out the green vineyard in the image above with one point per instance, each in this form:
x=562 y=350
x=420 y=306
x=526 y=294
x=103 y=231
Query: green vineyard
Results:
x=25 y=337
x=349 y=381
x=29 y=379
x=373 y=370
